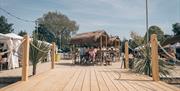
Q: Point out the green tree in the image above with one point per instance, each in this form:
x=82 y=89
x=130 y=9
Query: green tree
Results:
x=155 y=30
x=36 y=55
x=136 y=40
x=44 y=34
x=60 y=25
x=176 y=29
x=142 y=64
x=22 y=33
x=5 y=27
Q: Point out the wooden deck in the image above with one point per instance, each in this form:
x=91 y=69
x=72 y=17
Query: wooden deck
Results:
x=67 y=77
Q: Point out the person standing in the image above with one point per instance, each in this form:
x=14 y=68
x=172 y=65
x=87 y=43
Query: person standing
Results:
x=82 y=53
x=112 y=54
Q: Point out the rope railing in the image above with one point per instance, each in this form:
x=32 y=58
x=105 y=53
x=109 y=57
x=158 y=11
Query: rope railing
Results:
x=174 y=58
x=38 y=48
x=2 y=53
x=140 y=50
x=1 y=47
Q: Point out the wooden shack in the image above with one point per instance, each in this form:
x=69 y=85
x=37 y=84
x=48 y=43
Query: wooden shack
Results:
x=114 y=41
x=96 y=38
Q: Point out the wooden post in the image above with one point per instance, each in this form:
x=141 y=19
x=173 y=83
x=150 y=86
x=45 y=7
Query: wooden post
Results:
x=126 y=55
x=25 y=59
x=101 y=42
x=53 y=55
x=101 y=49
x=115 y=46
x=106 y=41
x=154 y=55
x=118 y=51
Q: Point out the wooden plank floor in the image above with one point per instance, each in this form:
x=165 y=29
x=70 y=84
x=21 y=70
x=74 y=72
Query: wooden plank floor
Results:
x=67 y=77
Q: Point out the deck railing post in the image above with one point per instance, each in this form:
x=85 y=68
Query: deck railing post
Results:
x=154 y=55
x=53 y=47
x=126 y=55
x=25 y=59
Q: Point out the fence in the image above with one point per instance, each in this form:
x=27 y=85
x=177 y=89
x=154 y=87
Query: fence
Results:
x=154 y=57
x=25 y=59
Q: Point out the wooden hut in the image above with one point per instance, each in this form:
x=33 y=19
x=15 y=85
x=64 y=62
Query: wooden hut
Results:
x=114 y=41
x=96 y=38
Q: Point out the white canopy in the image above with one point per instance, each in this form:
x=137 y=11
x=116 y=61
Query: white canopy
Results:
x=13 y=35
x=10 y=35
x=12 y=41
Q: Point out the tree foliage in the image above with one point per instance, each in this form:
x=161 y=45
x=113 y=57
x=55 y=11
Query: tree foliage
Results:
x=22 y=33
x=44 y=34
x=60 y=25
x=142 y=61
x=136 y=40
x=5 y=27
x=143 y=65
x=176 y=28
x=155 y=30
x=36 y=55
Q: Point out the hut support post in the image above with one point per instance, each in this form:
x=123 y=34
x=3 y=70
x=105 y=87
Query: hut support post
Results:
x=118 y=51
x=101 y=42
x=115 y=46
x=101 y=49
x=154 y=55
x=53 y=55
x=106 y=41
x=25 y=59
x=126 y=55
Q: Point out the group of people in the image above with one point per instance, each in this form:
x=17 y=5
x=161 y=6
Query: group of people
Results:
x=87 y=54
x=91 y=55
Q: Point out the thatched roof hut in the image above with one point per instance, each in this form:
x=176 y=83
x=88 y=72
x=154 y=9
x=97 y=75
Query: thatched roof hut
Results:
x=90 y=38
x=114 y=41
x=172 y=40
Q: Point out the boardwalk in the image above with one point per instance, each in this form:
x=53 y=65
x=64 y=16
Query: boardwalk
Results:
x=66 y=77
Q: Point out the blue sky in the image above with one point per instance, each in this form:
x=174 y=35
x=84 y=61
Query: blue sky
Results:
x=117 y=17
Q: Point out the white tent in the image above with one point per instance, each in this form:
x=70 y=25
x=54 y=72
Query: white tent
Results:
x=13 y=36
x=12 y=42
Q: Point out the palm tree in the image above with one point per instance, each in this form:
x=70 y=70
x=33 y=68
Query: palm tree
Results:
x=143 y=65
x=38 y=52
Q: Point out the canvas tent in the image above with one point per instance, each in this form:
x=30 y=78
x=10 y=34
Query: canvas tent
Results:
x=95 y=38
x=12 y=42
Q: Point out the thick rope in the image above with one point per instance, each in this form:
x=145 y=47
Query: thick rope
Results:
x=2 y=53
x=38 y=48
x=174 y=58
